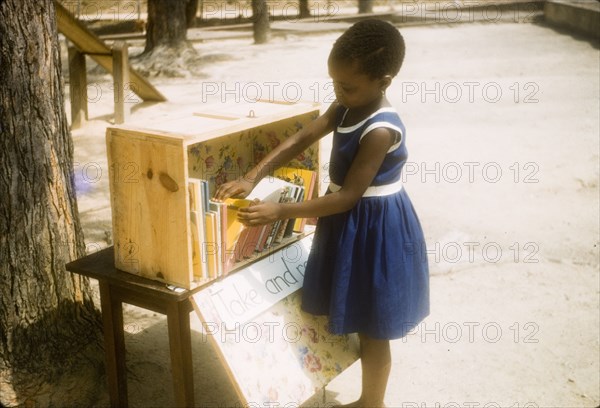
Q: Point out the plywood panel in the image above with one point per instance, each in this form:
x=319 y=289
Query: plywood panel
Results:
x=226 y=158
x=149 y=170
x=150 y=206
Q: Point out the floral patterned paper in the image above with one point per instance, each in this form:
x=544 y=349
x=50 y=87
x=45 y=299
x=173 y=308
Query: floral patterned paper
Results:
x=282 y=356
x=225 y=158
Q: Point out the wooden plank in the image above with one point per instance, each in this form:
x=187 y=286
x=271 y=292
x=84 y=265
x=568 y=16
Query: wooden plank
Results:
x=180 y=345
x=88 y=43
x=101 y=266
x=206 y=123
x=150 y=207
x=121 y=81
x=77 y=88
x=114 y=345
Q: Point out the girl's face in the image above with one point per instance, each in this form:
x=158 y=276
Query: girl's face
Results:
x=353 y=88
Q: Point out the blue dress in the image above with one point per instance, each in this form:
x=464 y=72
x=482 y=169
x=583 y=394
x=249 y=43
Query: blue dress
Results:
x=367 y=269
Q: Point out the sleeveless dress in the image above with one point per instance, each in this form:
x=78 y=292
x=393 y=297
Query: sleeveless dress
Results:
x=367 y=269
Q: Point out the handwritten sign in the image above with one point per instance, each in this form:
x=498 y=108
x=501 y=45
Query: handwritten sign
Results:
x=275 y=354
x=247 y=293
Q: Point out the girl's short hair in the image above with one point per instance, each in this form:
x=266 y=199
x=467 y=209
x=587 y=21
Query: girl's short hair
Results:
x=376 y=45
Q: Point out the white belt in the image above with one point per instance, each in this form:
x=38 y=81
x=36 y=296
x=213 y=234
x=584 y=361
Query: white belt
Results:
x=374 y=191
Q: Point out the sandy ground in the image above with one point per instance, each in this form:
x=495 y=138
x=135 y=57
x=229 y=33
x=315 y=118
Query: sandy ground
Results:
x=503 y=170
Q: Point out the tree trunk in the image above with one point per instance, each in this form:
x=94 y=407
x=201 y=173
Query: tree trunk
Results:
x=167 y=24
x=191 y=8
x=365 y=6
x=260 y=17
x=47 y=316
x=304 y=10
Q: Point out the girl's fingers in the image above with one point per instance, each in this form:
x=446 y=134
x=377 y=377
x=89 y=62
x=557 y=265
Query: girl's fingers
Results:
x=249 y=215
x=221 y=193
x=245 y=213
x=228 y=190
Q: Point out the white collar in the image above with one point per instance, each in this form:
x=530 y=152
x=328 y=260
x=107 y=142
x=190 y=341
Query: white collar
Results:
x=362 y=122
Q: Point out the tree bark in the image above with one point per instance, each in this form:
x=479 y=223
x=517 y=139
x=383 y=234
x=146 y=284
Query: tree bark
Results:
x=191 y=8
x=167 y=24
x=365 y=6
x=47 y=314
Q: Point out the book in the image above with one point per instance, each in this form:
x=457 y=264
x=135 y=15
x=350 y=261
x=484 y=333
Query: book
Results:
x=219 y=209
x=235 y=232
x=291 y=196
x=251 y=239
x=210 y=250
x=249 y=246
x=304 y=177
x=205 y=195
x=224 y=240
x=265 y=232
x=199 y=264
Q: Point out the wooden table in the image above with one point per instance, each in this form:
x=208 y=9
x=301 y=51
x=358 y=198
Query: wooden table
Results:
x=118 y=287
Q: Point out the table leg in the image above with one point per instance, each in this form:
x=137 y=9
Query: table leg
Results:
x=180 y=342
x=114 y=344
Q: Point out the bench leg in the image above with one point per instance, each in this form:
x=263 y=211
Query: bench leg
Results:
x=114 y=343
x=122 y=85
x=180 y=342
x=77 y=88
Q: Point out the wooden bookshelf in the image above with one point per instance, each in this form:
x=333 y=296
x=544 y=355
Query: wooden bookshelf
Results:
x=150 y=165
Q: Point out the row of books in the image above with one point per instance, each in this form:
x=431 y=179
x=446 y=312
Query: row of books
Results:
x=220 y=240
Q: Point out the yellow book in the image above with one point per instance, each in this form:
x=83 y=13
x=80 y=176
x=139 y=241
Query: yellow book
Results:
x=233 y=231
x=198 y=263
x=210 y=249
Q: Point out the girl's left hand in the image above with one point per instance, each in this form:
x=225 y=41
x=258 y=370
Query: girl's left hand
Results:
x=260 y=213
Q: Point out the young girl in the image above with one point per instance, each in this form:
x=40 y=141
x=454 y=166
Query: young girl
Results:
x=367 y=268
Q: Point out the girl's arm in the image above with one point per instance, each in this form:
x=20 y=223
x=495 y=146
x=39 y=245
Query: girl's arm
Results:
x=281 y=155
x=371 y=153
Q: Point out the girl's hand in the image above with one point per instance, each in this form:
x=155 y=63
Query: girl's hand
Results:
x=260 y=213
x=239 y=188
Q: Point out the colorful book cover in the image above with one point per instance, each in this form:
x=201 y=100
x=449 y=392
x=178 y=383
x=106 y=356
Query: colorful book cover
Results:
x=234 y=232
x=197 y=228
x=304 y=177
x=264 y=236
x=210 y=248
x=250 y=244
x=215 y=208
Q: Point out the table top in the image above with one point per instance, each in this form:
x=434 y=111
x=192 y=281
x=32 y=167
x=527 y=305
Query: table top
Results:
x=101 y=265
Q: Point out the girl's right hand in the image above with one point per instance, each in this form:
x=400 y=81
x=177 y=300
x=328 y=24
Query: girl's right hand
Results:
x=239 y=188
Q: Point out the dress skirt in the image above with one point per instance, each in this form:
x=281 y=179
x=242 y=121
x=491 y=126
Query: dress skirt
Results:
x=367 y=269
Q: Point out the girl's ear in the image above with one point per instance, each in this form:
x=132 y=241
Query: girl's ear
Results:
x=385 y=81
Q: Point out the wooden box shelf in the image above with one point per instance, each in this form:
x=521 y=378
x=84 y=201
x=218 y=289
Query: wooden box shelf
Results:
x=150 y=166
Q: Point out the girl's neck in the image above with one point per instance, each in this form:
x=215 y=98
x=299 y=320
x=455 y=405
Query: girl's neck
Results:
x=356 y=115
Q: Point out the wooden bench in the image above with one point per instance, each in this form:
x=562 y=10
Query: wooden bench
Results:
x=115 y=60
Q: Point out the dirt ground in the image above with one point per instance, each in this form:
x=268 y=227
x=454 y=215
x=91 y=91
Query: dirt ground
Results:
x=502 y=131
